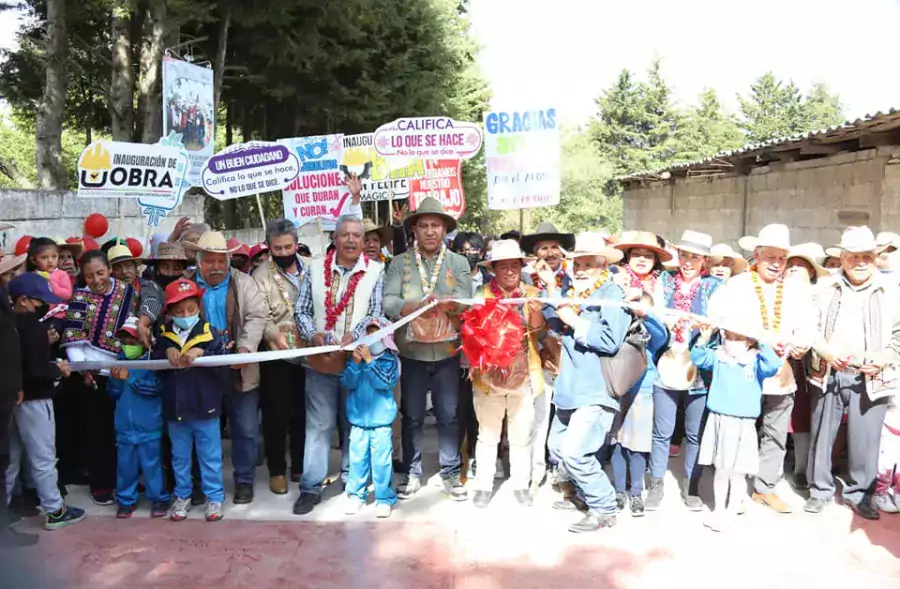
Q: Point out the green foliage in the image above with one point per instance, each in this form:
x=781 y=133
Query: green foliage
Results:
x=17 y=153
x=707 y=129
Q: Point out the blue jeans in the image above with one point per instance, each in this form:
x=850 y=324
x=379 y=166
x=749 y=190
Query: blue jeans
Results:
x=576 y=436
x=206 y=435
x=243 y=417
x=137 y=459
x=371 y=451
x=324 y=396
x=32 y=429
x=625 y=462
x=665 y=408
x=442 y=379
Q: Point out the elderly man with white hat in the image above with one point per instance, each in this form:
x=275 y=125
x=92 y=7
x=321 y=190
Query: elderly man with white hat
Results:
x=781 y=306
x=853 y=367
x=585 y=408
x=888 y=259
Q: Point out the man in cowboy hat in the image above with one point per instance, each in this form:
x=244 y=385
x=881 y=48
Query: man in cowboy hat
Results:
x=783 y=307
x=585 y=408
x=428 y=345
x=125 y=268
x=853 y=367
x=375 y=238
x=234 y=305
x=283 y=382
x=724 y=262
x=888 y=260
x=340 y=296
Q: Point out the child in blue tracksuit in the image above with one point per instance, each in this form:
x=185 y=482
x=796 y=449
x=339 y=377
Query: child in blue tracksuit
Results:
x=729 y=443
x=139 y=424
x=192 y=397
x=370 y=378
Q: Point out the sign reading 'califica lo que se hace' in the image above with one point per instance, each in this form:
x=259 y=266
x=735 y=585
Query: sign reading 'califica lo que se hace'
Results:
x=429 y=138
x=249 y=168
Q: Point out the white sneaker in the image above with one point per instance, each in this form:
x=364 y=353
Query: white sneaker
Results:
x=383 y=510
x=180 y=509
x=353 y=506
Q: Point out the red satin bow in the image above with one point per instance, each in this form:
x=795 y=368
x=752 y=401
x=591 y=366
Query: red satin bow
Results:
x=492 y=334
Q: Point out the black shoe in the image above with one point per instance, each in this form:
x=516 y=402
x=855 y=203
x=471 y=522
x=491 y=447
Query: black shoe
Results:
x=10 y=538
x=637 y=506
x=197 y=497
x=104 y=498
x=243 y=494
x=654 y=495
x=593 y=522
x=524 y=497
x=296 y=476
x=863 y=509
x=482 y=499
x=305 y=503
x=799 y=482
x=815 y=505
x=621 y=498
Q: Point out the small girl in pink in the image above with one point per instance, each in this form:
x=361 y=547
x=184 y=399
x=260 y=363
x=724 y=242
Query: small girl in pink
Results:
x=43 y=258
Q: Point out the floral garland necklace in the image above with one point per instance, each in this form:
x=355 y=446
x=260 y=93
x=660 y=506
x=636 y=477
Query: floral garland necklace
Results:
x=683 y=302
x=604 y=276
x=332 y=310
x=500 y=293
x=645 y=283
x=537 y=282
x=428 y=285
x=763 y=308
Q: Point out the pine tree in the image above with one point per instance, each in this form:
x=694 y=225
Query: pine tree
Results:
x=775 y=109
x=707 y=129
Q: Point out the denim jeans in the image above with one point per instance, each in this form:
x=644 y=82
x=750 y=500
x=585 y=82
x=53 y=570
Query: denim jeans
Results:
x=627 y=462
x=371 y=453
x=323 y=397
x=665 y=408
x=243 y=416
x=206 y=435
x=442 y=379
x=576 y=436
x=136 y=460
x=32 y=429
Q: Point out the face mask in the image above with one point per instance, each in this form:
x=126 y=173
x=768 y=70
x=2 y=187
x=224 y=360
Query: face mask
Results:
x=473 y=260
x=164 y=281
x=735 y=348
x=42 y=310
x=133 y=351
x=186 y=323
x=377 y=348
x=284 y=262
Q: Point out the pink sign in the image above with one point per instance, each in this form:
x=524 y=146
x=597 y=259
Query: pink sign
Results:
x=443 y=181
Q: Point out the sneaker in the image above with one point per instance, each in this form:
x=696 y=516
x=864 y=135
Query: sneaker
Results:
x=885 y=504
x=674 y=451
x=353 y=505
x=815 y=505
x=159 y=508
x=64 y=517
x=10 y=538
x=654 y=495
x=637 y=506
x=691 y=500
x=305 y=503
x=104 y=498
x=125 y=511
x=410 y=486
x=198 y=497
x=243 y=494
x=383 y=510
x=454 y=487
x=863 y=509
x=481 y=499
x=621 y=499
x=214 y=511
x=180 y=509
x=593 y=522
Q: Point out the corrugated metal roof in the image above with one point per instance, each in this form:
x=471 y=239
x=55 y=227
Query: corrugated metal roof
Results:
x=843 y=132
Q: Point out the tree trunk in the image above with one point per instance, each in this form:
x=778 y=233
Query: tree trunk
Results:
x=9 y=169
x=121 y=91
x=149 y=97
x=229 y=133
x=48 y=127
x=221 y=50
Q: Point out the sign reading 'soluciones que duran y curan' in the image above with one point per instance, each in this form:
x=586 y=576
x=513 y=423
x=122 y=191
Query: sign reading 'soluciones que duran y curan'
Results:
x=249 y=168
x=428 y=138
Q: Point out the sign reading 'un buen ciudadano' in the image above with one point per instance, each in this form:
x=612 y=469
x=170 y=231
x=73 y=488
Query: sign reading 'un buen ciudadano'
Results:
x=249 y=168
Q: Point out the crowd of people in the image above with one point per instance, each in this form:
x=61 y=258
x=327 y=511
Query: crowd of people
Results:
x=633 y=351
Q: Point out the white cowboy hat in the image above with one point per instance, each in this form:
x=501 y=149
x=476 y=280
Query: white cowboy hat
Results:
x=813 y=254
x=212 y=242
x=590 y=243
x=694 y=242
x=888 y=239
x=774 y=235
x=504 y=249
x=855 y=240
x=723 y=250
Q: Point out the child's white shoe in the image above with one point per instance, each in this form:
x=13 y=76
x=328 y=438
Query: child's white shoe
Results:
x=383 y=510
x=353 y=505
x=180 y=509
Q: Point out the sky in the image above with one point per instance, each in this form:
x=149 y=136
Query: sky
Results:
x=563 y=53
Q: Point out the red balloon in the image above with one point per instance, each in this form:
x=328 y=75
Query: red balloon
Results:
x=23 y=244
x=134 y=246
x=90 y=244
x=96 y=225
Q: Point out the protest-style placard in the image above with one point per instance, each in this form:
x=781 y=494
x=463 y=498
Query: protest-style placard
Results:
x=319 y=191
x=118 y=169
x=443 y=181
x=188 y=110
x=383 y=178
x=521 y=151
x=428 y=138
x=249 y=168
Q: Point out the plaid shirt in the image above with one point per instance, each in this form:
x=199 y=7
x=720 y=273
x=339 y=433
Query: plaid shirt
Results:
x=306 y=321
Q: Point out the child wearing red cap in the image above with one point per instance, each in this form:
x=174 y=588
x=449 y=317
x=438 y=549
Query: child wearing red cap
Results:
x=192 y=397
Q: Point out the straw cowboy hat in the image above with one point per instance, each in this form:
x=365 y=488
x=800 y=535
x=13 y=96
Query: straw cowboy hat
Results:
x=430 y=206
x=385 y=234
x=643 y=240
x=73 y=243
x=813 y=254
x=590 y=243
x=546 y=232
x=774 y=235
x=168 y=251
x=723 y=250
x=211 y=242
x=855 y=240
x=694 y=242
x=8 y=262
x=120 y=253
x=504 y=249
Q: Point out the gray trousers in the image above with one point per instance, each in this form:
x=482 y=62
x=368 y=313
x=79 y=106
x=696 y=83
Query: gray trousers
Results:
x=865 y=419
x=33 y=431
x=776 y=419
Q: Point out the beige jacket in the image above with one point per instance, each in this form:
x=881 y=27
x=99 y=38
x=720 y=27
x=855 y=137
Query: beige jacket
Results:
x=280 y=301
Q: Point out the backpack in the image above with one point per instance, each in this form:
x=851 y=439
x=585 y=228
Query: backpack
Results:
x=624 y=369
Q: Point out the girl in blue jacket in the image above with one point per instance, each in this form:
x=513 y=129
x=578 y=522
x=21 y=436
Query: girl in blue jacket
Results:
x=729 y=443
x=370 y=378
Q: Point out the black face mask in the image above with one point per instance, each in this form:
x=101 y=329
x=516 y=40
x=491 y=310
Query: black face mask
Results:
x=473 y=260
x=164 y=281
x=284 y=262
x=42 y=310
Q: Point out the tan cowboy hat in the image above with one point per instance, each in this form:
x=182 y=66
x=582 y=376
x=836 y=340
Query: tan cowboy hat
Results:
x=77 y=247
x=212 y=242
x=385 y=234
x=504 y=249
x=168 y=251
x=855 y=240
x=546 y=232
x=813 y=254
x=120 y=253
x=590 y=243
x=644 y=240
x=723 y=250
x=8 y=263
x=775 y=235
x=694 y=242
x=430 y=206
